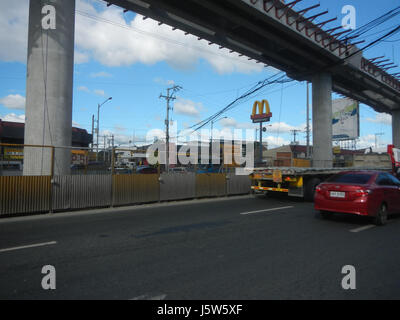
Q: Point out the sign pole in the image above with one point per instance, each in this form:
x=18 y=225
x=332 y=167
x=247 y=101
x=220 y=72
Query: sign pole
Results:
x=261 y=148
x=261 y=117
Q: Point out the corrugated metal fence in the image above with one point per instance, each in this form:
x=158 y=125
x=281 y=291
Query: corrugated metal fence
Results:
x=78 y=192
x=136 y=188
x=25 y=194
x=210 y=185
x=33 y=194
x=175 y=186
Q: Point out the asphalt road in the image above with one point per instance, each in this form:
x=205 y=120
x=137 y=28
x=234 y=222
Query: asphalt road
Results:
x=230 y=248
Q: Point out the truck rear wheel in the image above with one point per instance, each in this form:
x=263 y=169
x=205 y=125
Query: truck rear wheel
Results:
x=309 y=189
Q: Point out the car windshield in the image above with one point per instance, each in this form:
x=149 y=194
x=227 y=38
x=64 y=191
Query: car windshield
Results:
x=356 y=178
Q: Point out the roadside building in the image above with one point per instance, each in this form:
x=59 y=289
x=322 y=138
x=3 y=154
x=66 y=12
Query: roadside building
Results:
x=12 y=133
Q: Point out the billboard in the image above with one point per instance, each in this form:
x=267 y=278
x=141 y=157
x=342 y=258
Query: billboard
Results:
x=13 y=153
x=346 y=119
x=79 y=157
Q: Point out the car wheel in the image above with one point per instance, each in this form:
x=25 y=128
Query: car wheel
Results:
x=381 y=216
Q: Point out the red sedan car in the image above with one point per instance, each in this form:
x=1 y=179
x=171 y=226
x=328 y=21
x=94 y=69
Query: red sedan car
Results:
x=365 y=193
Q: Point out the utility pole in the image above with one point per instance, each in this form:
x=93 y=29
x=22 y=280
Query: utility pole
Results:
x=308 y=121
x=98 y=125
x=170 y=96
x=92 y=131
x=112 y=149
x=294 y=135
x=104 y=150
x=261 y=145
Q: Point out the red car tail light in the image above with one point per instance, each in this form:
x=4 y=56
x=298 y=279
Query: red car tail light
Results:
x=362 y=192
x=319 y=189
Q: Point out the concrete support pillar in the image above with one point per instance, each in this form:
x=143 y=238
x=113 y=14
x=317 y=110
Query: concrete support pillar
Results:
x=396 y=128
x=49 y=86
x=322 y=120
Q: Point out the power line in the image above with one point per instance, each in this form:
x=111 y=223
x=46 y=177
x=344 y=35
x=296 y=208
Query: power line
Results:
x=396 y=40
x=245 y=97
x=374 y=23
x=248 y=94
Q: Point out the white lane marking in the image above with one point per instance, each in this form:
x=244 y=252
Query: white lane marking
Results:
x=363 y=228
x=160 y=297
x=29 y=246
x=266 y=210
x=146 y=297
x=142 y=297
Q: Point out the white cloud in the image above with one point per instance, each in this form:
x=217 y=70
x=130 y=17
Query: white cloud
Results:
x=164 y=82
x=118 y=43
x=153 y=134
x=99 y=92
x=119 y=128
x=275 y=127
x=13 y=117
x=382 y=118
x=119 y=139
x=83 y=88
x=14 y=30
x=369 y=141
x=274 y=142
x=13 y=101
x=122 y=140
x=232 y=123
x=187 y=107
x=80 y=57
x=21 y=118
x=101 y=74
x=282 y=127
x=144 y=41
x=96 y=92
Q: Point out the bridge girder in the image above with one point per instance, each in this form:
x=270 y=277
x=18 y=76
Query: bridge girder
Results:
x=239 y=27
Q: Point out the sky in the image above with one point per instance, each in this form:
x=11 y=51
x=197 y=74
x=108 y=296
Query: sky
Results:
x=134 y=60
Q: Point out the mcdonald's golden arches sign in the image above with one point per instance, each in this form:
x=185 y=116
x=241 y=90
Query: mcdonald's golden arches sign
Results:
x=261 y=116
